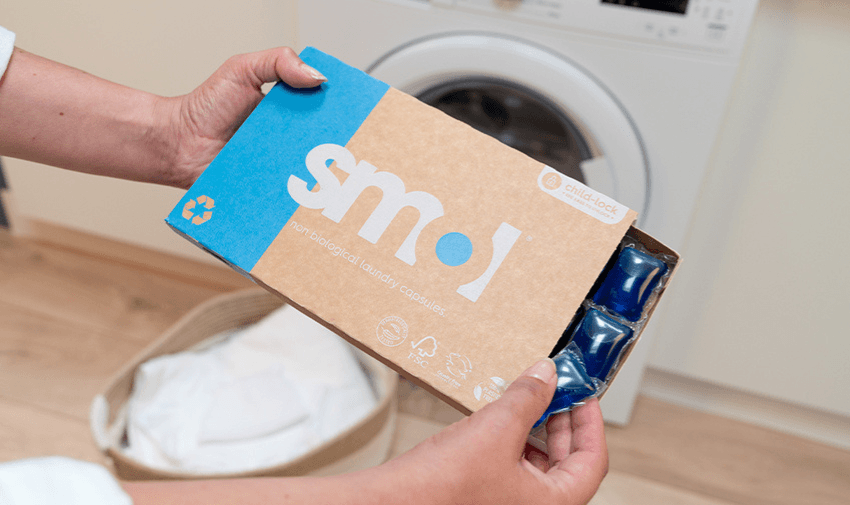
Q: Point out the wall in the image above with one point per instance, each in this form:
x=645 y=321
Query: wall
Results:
x=165 y=47
x=762 y=306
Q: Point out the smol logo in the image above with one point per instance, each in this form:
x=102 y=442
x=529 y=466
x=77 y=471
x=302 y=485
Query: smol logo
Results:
x=199 y=218
x=391 y=331
x=335 y=198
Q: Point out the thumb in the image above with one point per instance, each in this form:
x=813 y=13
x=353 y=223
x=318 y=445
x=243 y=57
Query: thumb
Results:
x=252 y=70
x=525 y=400
x=282 y=63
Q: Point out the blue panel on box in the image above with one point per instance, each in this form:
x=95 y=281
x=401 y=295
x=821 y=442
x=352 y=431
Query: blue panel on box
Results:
x=629 y=283
x=601 y=341
x=240 y=203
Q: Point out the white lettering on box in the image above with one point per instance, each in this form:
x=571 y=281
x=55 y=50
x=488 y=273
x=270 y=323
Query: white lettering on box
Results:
x=335 y=199
x=581 y=197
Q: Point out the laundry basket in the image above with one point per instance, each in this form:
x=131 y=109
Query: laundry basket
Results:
x=363 y=445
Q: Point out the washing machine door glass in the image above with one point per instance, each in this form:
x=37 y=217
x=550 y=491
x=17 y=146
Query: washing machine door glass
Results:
x=518 y=117
x=532 y=99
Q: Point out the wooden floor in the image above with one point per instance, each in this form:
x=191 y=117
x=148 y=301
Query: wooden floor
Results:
x=69 y=319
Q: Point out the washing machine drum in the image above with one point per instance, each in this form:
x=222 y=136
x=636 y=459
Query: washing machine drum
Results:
x=518 y=117
x=531 y=99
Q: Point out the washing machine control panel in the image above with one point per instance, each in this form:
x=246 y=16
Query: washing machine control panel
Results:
x=713 y=25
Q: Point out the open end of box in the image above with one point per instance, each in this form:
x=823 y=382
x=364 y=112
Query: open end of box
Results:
x=630 y=325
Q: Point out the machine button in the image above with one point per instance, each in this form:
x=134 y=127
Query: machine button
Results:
x=507 y=5
x=716 y=31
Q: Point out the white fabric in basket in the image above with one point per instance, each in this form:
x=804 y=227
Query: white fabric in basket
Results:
x=265 y=396
x=54 y=480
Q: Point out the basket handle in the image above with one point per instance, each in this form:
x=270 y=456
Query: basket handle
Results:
x=98 y=419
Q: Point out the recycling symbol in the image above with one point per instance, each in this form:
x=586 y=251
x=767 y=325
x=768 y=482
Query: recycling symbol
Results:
x=197 y=217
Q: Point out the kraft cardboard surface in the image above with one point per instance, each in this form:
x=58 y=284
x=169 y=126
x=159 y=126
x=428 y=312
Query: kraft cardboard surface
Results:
x=451 y=257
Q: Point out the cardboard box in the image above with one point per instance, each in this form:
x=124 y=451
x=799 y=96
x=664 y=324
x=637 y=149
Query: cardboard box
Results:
x=452 y=258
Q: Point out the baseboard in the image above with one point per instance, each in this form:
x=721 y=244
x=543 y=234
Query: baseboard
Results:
x=820 y=426
x=217 y=276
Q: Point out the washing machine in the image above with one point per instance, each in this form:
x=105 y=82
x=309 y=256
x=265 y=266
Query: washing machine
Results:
x=626 y=96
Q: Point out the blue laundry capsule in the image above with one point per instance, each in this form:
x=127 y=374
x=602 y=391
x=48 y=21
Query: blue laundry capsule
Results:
x=574 y=384
x=629 y=283
x=601 y=340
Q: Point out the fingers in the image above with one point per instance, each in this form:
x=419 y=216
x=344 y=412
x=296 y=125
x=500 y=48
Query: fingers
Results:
x=512 y=416
x=279 y=64
x=577 y=448
x=537 y=458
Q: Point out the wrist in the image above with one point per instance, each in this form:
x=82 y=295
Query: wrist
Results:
x=163 y=138
x=417 y=478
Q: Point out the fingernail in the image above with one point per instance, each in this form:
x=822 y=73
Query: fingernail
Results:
x=315 y=74
x=543 y=370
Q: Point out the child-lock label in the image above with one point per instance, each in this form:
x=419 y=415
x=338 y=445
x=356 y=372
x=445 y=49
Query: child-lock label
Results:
x=581 y=197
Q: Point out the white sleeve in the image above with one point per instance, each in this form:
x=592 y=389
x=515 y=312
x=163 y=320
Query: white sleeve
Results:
x=52 y=480
x=7 y=43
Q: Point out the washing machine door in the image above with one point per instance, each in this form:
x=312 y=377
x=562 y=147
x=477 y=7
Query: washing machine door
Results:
x=532 y=99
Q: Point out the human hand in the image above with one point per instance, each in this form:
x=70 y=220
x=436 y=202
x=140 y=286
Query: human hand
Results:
x=202 y=121
x=485 y=459
x=57 y=115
